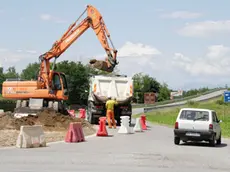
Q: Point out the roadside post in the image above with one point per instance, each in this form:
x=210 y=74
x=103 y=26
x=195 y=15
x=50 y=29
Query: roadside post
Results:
x=226 y=98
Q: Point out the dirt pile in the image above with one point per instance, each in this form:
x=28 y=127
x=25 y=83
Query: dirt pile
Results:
x=50 y=121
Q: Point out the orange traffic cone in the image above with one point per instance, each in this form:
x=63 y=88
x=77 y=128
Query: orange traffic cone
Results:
x=143 y=122
x=102 y=131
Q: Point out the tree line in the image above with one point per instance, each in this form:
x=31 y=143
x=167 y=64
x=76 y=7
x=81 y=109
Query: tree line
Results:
x=78 y=76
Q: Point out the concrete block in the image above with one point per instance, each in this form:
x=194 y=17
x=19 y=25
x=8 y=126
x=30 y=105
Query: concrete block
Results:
x=1 y=111
x=31 y=137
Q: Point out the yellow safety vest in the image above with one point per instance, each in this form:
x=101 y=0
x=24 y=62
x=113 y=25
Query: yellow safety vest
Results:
x=110 y=104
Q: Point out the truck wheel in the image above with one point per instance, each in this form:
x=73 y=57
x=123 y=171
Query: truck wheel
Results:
x=218 y=142
x=118 y=121
x=176 y=140
x=90 y=117
x=130 y=120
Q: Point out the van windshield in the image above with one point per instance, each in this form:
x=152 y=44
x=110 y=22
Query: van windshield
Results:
x=194 y=115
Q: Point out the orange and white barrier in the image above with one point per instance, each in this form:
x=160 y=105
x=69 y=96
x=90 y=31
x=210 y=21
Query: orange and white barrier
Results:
x=143 y=122
x=72 y=113
x=75 y=133
x=137 y=127
x=124 y=129
x=102 y=131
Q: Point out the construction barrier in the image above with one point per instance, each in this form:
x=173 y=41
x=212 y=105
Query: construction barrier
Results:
x=75 y=133
x=1 y=111
x=31 y=137
x=143 y=122
x=82 y=113
x=138 y=127
x=124 y=129
x=72 y=113
x=102 y=131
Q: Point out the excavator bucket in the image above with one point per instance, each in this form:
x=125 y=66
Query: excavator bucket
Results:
x=101 y=65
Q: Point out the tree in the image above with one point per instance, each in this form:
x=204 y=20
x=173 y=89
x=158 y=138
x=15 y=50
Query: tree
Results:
x=11 y=73
x=144 y=83
x=164 y=93
x=2 y=78
x=31 y=71
x=77 y=79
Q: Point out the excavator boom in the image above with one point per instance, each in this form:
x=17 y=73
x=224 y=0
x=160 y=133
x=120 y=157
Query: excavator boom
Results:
x=50 y=89
x=93 y=20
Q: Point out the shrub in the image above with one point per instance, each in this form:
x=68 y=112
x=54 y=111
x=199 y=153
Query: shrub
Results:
x=192 y=103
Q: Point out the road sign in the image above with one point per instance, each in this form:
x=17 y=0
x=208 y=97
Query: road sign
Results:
x=227 y=96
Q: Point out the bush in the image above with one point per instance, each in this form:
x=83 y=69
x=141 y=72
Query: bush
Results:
x=220 y=102
x=192 y=103
x=7 y=105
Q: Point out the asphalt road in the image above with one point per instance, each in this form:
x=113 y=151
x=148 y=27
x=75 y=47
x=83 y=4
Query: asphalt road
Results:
x=152 y=150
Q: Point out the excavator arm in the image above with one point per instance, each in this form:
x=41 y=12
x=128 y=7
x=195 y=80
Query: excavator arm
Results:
x=93 y=20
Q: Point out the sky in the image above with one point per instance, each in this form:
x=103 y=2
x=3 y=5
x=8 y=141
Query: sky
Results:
x=182 y=43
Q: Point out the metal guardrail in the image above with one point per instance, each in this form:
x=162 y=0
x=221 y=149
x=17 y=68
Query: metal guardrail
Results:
x=176 y=100
x=176 y=104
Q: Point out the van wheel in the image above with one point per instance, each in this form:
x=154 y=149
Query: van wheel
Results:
x=176 y=140
x=212 y=141
x=218 y=142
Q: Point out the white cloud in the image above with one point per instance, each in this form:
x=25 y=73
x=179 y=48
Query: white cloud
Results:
x=182 y=15
x=18 y=58
x=26 y=51
x=206 y=28
x=217 y=51
x=130 y=49
x=137 y=57
x=3 y=50
x=48 y=17
x=215 y=63
x=31 y=51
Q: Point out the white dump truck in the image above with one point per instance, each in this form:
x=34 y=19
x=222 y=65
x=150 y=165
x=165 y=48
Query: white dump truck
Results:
x=102 y=87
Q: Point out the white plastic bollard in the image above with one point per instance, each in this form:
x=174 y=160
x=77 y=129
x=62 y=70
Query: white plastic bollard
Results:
x=124 y=129
x=137 y=127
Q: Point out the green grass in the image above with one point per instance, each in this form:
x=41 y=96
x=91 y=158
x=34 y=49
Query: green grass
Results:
x=168 y=117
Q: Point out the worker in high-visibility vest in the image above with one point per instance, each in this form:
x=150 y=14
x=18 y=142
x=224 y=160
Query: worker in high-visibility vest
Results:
x=110 y=103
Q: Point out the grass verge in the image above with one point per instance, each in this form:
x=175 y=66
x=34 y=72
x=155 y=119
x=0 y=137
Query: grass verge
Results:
x=168 y=117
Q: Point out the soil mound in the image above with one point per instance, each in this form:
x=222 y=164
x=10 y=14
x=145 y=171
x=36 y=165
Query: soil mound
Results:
x=50 y=121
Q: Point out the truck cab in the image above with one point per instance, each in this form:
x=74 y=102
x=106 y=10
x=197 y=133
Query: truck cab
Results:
x=102 y=87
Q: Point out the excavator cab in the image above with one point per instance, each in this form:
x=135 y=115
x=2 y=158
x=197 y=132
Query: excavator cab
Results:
x=59 y=85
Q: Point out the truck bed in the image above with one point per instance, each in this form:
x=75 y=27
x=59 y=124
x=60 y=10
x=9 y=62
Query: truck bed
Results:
x=102 y=87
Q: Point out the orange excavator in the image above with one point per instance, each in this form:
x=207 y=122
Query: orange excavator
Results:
x=51 y=89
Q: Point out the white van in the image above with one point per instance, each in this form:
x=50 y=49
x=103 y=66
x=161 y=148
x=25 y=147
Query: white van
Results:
x=193 y=124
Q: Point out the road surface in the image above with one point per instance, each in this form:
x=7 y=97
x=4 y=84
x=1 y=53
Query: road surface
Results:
x=152 y=150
